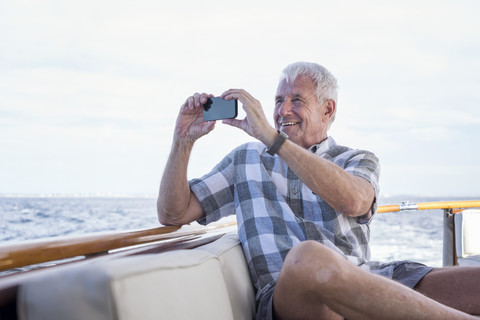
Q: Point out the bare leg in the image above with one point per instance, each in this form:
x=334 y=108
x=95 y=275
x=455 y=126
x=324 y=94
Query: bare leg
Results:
x=457 y=287
x=317 y=283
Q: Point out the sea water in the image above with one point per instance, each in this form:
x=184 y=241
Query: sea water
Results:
x=411 y=235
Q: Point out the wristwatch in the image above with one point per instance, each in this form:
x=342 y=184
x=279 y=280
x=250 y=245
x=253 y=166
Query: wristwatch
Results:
x=279 y=140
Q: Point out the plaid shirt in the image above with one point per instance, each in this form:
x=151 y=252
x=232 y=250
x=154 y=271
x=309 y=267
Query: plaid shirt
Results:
x=275 y=210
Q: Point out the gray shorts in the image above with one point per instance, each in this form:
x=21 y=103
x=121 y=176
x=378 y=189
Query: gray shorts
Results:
x=407 y=273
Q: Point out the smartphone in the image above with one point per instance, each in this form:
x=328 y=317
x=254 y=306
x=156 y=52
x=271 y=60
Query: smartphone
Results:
x=217 y=108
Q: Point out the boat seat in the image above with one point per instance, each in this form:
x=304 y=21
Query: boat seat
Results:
x=208 y=282
x=467 y=237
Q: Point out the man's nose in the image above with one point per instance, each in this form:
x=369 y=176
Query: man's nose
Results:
x=285 y=109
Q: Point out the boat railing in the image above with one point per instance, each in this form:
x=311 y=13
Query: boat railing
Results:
x=35 y=252
x=450 y=232
x=453 y=206
x=40 y=251
x=33 y=256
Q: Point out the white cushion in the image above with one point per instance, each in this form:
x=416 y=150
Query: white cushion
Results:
x=469 y=261
x=209 y=282
x=236 y=275
x=467 y=235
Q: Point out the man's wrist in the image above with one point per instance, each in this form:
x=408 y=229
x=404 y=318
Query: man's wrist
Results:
x=277 y=143
x=182 y=143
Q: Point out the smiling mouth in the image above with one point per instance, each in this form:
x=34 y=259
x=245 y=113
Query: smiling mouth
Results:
x=288 y=124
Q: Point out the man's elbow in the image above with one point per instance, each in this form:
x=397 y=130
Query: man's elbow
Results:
x=360 y=200
x=167 y=219
x=163 y=219
x=357 y=207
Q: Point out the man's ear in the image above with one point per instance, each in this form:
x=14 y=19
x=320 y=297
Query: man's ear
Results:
x=329 y=109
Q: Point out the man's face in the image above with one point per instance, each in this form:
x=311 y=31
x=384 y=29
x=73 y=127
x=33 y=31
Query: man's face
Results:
x=298 y=113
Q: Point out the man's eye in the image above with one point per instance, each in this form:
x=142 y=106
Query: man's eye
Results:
x=278 y=101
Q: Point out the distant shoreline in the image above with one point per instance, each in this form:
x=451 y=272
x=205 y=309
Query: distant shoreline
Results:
x=77 y=195
x=383 y=198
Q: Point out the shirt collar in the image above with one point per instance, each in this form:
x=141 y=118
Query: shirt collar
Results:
x=323 y=146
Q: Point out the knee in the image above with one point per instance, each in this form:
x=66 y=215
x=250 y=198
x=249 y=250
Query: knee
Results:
x=313 y=264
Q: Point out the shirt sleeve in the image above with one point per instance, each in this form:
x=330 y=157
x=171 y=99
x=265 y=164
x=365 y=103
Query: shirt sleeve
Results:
x=366 y=165
x=215 y=190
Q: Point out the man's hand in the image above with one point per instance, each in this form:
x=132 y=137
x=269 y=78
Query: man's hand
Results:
x=190 y=125
x=177 y=204
x=255 y=123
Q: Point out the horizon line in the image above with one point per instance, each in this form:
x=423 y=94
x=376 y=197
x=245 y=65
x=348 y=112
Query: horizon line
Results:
x=154 y=195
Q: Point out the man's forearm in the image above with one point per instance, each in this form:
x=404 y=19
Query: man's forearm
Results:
x=346 y=193
x=174 y=194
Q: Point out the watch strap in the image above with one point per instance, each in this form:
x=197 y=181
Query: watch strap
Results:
x=277 y=143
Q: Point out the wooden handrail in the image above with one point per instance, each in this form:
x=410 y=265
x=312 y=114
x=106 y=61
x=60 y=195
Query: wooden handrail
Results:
x=39 y=251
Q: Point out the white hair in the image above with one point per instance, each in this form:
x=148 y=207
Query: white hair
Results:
x=325 y=82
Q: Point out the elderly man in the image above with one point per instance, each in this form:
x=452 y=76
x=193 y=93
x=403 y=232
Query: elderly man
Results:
x=303 y=204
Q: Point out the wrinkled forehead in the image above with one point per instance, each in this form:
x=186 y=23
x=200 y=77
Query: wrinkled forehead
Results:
x=302 y=85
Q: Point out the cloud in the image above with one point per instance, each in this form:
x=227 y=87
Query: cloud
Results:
x=104 y=80
x=430 y=134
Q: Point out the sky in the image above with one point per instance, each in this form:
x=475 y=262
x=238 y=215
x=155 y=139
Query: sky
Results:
x=90 y=90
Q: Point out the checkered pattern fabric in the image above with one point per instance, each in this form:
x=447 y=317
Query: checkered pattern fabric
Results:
x=275 y=210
